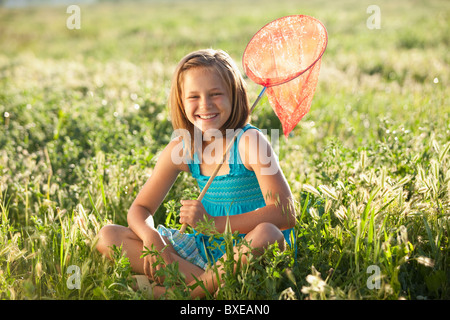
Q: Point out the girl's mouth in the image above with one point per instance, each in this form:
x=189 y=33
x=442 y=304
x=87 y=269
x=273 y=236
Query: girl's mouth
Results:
x=206 y=116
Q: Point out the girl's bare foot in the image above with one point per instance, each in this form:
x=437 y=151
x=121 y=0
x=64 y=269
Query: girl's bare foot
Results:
x=150 y=290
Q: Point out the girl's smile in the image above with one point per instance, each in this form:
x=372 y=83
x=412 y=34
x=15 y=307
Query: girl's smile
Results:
x=207 y=116
x=206 y=99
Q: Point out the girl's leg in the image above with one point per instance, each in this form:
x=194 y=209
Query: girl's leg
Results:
x=118 y=235
x=259 y=238
x=132 y=245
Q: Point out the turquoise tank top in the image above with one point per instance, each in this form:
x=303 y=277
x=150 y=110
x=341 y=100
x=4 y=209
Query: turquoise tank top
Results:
x=230 y=194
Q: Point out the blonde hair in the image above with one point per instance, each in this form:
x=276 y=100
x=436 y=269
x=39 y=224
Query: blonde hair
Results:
x=220 y=62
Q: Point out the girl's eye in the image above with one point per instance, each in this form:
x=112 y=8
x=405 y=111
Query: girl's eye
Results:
x=217 y=94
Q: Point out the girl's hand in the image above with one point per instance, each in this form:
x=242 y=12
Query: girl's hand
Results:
x=150 y=268
x=192 y=211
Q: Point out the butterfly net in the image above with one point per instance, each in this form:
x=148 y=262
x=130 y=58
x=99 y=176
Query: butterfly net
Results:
x=284 y=57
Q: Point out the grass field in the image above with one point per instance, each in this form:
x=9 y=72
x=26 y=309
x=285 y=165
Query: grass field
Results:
x=83 y=115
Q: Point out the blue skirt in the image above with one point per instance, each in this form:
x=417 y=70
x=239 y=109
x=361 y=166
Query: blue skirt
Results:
x=203 y=250
x=212 y=248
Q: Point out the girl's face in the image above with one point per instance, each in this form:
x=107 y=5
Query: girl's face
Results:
x=205 y=98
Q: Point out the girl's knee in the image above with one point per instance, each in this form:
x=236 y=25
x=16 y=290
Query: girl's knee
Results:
x=265 y=234
x=269 y=229
x=108 y=236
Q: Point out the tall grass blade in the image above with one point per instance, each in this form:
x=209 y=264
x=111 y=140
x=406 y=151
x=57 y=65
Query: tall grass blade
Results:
x=305 y=207
x=443 y=152
x=430 y=238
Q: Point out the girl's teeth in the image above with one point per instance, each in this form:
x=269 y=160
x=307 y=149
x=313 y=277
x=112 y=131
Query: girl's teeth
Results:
x=207 y=117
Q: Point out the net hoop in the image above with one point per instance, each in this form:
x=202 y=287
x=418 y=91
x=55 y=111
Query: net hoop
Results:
x=269 y=82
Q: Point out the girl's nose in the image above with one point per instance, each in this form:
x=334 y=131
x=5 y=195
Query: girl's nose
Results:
x=205 y=102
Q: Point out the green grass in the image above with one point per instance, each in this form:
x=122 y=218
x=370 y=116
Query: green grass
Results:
x=83 y=116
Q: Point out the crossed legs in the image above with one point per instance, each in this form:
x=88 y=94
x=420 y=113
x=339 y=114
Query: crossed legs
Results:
x=260 y=238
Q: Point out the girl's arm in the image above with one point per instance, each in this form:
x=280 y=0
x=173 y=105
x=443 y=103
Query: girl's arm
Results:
x=258 y=156
x=152 y=194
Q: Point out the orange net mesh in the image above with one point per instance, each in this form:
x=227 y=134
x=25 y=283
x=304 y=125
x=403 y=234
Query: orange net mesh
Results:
x=284 y=56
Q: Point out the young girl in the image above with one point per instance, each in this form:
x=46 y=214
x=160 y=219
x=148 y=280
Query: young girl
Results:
x=249 y=194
